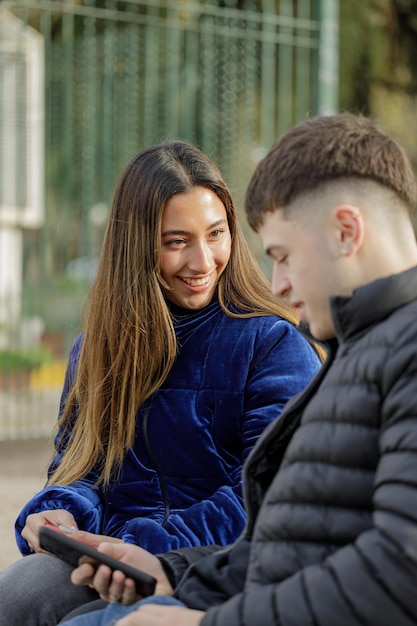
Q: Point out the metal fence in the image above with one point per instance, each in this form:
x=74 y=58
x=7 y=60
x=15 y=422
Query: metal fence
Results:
x=84 y=85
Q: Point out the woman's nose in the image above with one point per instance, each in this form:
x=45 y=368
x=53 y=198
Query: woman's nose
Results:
x=201 y=258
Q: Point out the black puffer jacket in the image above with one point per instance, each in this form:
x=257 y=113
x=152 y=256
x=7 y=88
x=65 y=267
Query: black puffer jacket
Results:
x=331 y=538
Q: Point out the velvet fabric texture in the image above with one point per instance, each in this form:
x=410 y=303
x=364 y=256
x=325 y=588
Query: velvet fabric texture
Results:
x=180 y=484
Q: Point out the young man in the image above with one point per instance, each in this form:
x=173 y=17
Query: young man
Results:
x=330 y=488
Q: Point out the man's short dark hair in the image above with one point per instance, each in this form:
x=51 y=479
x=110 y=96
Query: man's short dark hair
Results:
x=327 y=148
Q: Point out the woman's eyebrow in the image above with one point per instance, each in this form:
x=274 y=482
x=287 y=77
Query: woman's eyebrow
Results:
x=168 y=233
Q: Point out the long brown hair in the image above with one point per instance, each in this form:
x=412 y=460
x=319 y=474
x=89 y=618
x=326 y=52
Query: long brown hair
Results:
x=129 y=344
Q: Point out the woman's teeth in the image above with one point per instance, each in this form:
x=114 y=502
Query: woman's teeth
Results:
x=196 y=282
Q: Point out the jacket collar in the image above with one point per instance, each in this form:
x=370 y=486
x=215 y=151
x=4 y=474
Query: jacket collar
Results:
x=372 y=303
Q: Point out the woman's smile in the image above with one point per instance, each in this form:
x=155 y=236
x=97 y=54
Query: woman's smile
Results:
x=196 y=282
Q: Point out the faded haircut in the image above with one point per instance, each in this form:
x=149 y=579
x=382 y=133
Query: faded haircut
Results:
x=325 y=149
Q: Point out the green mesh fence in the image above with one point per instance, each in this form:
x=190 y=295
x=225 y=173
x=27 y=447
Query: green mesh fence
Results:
x=229 y=76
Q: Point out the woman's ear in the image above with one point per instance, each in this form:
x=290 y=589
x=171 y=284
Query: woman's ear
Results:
x=349 y=228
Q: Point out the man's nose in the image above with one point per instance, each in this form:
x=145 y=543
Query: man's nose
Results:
x=280 y=284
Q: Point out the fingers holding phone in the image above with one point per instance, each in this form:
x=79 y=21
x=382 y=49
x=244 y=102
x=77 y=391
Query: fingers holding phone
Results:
x=56 y=518
x=111 y=585
x=129 y=577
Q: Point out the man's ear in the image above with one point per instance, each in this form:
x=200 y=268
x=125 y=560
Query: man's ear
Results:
x=349 y=228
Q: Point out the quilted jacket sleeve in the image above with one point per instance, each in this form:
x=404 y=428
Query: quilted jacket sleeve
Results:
x=177 y=562
x=283 y=364
x=81 y=498
x=373 y=579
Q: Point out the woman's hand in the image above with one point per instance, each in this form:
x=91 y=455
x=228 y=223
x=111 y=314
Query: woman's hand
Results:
x=93 y=540
x=114 y=586
x=56 y=517
x=158 y=615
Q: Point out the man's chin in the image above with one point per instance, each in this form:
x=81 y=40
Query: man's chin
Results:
x=321 y=332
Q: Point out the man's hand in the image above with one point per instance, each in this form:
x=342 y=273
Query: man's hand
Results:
x=115 y=587
x=159 y=615
x=56 y=517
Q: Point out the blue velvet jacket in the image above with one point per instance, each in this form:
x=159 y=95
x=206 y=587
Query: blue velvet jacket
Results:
x=180 y=484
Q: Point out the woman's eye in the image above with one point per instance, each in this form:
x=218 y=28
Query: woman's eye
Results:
x=282 y=259
x=216 y=233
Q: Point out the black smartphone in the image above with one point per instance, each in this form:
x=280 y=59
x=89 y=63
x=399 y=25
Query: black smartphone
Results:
x=71 y=550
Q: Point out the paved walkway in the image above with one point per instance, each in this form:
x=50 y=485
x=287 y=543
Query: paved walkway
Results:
x=22 y=473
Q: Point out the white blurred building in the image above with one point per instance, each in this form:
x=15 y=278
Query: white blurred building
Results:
x=21 y=159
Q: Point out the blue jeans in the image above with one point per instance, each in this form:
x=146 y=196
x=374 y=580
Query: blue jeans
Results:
x=115 y=611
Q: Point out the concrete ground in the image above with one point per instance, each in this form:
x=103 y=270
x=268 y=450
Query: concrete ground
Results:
x=23 y=465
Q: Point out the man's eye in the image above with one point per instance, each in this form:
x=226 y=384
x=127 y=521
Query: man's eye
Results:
x=174 y=242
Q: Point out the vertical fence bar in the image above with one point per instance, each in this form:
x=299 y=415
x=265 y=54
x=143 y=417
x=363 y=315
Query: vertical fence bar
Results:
x=268 y=73
x=151 y=94
x=68 y=121
x=89 y=154
x=284 y=116
x=229 y=66
x=111 y=116
x=172 y=103
x=192 y=57
x=246 y=137
x=45 y=30
x=133 y=81
x=328 y=72
x=208 y=84
x=302 y=65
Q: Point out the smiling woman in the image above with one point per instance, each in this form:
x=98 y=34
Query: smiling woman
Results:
x=196 y=246
x=184 y=359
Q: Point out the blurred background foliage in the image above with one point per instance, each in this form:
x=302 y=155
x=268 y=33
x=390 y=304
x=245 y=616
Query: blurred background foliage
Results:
x=228 y=75
x=378 y=64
